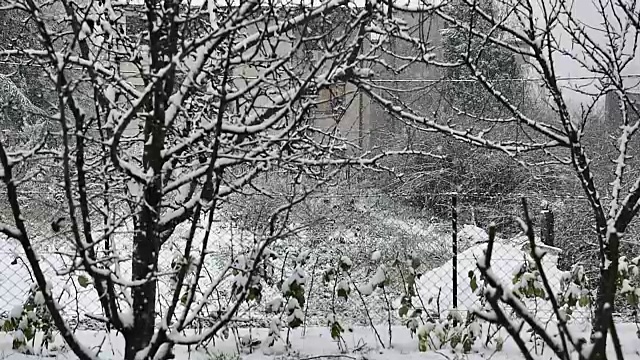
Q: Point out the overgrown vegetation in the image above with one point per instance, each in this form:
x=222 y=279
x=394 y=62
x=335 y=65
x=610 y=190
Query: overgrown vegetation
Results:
x=207 y=106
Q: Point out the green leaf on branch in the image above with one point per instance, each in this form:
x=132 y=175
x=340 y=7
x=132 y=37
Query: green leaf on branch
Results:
x=344 y=293
x=7 y=326
x=584 y=301
x=423 y=343
x=473 y=284
x=83 y=281
x=336 y=331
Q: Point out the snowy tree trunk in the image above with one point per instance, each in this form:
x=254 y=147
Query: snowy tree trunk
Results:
x=605 y=297
x=144 y=264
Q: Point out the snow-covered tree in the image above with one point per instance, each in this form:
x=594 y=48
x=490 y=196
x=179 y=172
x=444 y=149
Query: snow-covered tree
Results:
x=194 y=102
x=18 y=110
x=191 y=104
x=493 y=61
x=549 y=36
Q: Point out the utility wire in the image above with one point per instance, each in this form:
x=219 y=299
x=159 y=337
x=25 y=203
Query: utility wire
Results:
x=560 y=78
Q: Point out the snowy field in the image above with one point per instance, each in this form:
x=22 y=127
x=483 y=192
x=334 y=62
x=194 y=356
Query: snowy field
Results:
x=317 y=344
x=435 y=285
x=361 y=343
x=56 y=258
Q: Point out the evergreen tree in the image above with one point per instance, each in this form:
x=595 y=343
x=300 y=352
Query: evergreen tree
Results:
x=494 y=62
x=21 y=86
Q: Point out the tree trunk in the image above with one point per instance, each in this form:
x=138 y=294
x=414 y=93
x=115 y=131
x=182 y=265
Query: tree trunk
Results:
x=602 y=316
x=144 y=265
x=605 y=298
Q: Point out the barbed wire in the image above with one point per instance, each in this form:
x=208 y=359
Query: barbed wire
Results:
x=460 y=194
x=519 y=79
x=492 y=195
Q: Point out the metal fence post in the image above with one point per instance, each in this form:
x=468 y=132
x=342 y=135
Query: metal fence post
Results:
x=546 y=228
x=454 y=234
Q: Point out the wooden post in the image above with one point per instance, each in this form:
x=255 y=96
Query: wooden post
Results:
x=547 y=234
x=454 y=234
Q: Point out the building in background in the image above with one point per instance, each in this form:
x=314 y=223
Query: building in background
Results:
x=613 y=112
x=342 y=109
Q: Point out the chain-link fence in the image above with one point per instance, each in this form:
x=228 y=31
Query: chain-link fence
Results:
x=449 y=246
x=73 y=288
x=17 y=284
x=446 y=243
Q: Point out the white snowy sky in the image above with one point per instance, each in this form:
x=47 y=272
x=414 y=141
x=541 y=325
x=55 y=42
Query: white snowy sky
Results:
x=586 y=11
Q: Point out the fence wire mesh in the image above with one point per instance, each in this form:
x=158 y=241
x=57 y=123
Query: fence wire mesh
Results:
x=447 y=243
x=449 y=246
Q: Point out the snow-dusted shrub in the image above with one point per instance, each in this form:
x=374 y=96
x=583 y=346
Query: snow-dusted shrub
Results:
x=335 y=279
x=453 y=328
x=223 y=356
x=412 y=306
x=27 y=322
x=456 y=330
x=279 y=304
x=571 y=295
x=574 y=291
x=629 y=282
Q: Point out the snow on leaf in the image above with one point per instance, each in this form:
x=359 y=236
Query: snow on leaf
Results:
x=16 y=312
x=345 y=263
x=38 y=298
x=18 y=335
x=303 y=257
x=127 y=319
x=24 y=323
x=379 y=277
x=366 y=289
x=292 y=304
x=375 y=256
x=274 y=305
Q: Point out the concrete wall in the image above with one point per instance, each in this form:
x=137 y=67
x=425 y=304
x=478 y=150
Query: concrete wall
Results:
x=347 y=112
x=388 y=132
x=612 y=107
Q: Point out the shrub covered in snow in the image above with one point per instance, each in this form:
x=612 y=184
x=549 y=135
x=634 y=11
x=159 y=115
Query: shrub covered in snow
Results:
x=629 y=281
x=457 y=331
x=27 y=322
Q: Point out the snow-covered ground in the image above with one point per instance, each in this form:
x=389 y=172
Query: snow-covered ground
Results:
x=76 y=300
x=435 y=284
x=436 y=287
x=361 y=344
